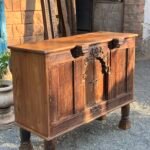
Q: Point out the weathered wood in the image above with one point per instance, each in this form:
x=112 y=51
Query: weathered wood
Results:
x=125 y=121
x=53 y=14
x=49 y=11
x=46 y=20
x=70 y=81
x=50 y=145
x=64 y=17
x=28 y=74
x=102 y=118
x=25 y=140
x=71 y=10
x=61 y=44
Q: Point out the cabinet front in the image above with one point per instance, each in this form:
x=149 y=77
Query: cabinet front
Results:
x=66 y=90
x=75 y=85
x=85 y=87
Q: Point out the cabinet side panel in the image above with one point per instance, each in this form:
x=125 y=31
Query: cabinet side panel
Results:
x=30 y=93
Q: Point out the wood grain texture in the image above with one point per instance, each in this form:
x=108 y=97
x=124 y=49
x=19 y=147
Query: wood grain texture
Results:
x=48 y=33
x=30 y=93
x=61 y=44
x=56 y=92
x=64 y=17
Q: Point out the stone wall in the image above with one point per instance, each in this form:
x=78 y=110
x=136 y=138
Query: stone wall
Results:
x=24 y=21
x=134 y=18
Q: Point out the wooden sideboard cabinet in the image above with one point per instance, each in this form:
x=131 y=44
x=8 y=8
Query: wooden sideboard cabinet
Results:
x=63 y=83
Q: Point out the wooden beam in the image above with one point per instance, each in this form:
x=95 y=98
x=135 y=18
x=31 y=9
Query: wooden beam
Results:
x=53 y=15
x=49 y=19
x=64 y=17
x=46 y=20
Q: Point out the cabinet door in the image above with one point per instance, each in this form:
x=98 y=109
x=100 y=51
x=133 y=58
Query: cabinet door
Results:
x=61 y=91
x=66 y=87
x=94 y=82
x=122 y=70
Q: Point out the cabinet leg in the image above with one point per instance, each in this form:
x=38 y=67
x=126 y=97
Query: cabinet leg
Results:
x=50 y=145
x=25 y=140
x=102 y=118
x=125 y=121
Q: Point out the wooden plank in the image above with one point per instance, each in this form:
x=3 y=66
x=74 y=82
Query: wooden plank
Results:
x=46 y=20
x=49 y=89
x=49 y=12
x=67 y=43
x=79 y=85
x=63 y=14
x=53 y=14
x=30 y=91
x=71 y=10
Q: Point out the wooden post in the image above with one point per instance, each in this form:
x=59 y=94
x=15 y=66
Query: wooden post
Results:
x=125 y=121
x=49 y=19
x=50 y=145
x=25 y=140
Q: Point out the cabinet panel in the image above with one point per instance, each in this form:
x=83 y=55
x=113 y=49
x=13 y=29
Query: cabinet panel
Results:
x=121 y=76
x=94 y=82
x=61 y=91
x=79 y=85
x=99 y=84
x=89 y=83
x=121 y=71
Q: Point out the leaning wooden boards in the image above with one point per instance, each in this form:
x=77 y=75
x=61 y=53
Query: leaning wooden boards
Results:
x=63 y=83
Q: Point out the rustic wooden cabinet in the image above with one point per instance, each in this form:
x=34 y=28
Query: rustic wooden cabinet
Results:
x=64 y=83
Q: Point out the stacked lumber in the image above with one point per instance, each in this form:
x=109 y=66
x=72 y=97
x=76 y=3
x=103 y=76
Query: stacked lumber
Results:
x=59 y=18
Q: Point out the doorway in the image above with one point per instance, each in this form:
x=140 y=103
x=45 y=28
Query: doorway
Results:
x=100 y=15
x=84 y=15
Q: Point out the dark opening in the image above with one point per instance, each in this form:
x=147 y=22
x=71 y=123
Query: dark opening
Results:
x=84 y=15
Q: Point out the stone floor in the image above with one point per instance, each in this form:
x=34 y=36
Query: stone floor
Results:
x=104 y=135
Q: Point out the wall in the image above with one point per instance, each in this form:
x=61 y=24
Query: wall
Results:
x=105 y=20
x=146 y=30
x=24 y=21
x=134 y=18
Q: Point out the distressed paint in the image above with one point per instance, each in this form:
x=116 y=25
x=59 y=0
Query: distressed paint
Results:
x=3 y=37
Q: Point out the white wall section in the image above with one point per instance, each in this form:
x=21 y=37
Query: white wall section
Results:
x=146 y=24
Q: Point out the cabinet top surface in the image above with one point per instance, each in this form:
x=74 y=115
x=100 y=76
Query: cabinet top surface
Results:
x=65 y=43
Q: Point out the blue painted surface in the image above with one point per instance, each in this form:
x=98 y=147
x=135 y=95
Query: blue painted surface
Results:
x=3 y=33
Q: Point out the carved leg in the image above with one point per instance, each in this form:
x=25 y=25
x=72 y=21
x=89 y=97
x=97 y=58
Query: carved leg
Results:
x=125 y=121
x=25 y=140
x=102 y=118
x=50 y=145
